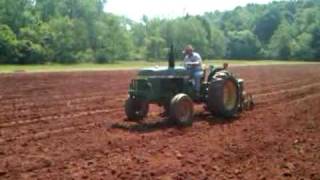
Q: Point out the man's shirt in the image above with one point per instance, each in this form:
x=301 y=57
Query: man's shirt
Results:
x=194 y=58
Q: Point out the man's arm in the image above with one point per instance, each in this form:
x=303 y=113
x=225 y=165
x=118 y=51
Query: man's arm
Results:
x=197 y=61
x=193 y=63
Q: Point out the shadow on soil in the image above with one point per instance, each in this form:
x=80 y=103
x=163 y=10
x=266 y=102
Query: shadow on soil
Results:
x=165 y=123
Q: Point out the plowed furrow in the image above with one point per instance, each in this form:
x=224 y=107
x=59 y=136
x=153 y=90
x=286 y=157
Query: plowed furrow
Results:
x=84 y=125
x=286 y=95
x=287 y=91
x=79 y=114
x=53 y=98
x=287 y=85
x=69 y=105
x=48 y=133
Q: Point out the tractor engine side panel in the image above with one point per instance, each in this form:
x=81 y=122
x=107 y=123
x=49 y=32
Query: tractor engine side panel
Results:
x=159 y=90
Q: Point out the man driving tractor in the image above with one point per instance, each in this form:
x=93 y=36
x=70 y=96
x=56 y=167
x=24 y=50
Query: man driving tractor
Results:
x=193 y=63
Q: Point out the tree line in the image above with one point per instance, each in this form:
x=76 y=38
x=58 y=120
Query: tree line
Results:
x=75 y=31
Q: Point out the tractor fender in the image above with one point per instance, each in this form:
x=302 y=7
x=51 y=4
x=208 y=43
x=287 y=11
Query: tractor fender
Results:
x=218 y=73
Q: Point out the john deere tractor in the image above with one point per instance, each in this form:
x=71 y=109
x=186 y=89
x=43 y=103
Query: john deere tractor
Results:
x=173 y=88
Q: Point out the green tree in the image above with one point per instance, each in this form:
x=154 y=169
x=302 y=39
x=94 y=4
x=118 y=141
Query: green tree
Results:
x=155 y=47
x=315 y=42
x=63 y=42
x=17 y=14
x=218 y=44
x=72 y=31
x=279 y=47
x=190 y=30
x=8 y=43
x=267 y=24
x=114 y=42
x=243 y=45
x=301 y=47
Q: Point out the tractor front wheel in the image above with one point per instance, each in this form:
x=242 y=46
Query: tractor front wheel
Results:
x=136 y=109
x=181 y=110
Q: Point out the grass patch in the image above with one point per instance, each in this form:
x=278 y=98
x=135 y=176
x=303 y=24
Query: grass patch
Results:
x=125 y=65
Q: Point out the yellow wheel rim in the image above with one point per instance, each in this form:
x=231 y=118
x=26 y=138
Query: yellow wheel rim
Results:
x=183 y=111
x=229 y=95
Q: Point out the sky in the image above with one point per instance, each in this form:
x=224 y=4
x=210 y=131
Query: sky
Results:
x=135 y=9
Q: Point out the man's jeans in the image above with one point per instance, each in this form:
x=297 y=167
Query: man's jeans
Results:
x=196 y=74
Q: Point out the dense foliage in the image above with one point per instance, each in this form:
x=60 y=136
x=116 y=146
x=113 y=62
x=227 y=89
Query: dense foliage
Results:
x=72 y=31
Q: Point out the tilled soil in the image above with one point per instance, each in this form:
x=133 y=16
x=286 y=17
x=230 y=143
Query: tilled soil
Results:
x=72 y=126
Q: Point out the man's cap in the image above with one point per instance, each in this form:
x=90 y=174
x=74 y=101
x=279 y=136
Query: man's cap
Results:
x=187 y=48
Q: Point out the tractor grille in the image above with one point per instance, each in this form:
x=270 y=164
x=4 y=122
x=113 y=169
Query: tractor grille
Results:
x=140 y=85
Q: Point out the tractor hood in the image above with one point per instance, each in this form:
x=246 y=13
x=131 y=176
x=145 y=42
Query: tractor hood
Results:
x=164 y=72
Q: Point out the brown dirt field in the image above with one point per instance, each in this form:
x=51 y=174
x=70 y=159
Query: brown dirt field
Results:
x=71 y=126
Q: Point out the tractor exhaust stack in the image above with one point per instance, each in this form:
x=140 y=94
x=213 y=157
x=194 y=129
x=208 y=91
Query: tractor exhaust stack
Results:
x=171 y=59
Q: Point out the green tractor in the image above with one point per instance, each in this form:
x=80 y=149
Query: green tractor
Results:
x=172 y=88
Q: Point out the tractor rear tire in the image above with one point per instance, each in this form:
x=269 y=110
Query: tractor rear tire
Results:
x=223 y=97
x=136 y=109
x=181 y=110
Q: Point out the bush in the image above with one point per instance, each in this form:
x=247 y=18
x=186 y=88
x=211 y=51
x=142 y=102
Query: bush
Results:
x=30 y=53
x=86 y=56
x=102 y=57
x=65 y=57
